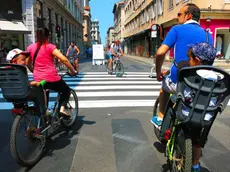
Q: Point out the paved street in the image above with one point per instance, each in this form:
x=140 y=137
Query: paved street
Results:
x=113 y=132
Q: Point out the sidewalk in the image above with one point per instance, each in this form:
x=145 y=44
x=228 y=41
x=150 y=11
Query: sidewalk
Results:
x=218 y=63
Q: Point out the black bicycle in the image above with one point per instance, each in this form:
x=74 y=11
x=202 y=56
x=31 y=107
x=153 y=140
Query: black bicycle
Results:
x=117 y=66
x=29 y=129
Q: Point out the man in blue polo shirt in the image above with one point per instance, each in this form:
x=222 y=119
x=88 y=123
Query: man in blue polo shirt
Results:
x=179 y=37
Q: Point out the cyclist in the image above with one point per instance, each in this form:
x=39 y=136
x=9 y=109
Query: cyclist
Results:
x=179 y=37
x=73 y=52
x=116 y=51
x=36 y=94
x=42 y=56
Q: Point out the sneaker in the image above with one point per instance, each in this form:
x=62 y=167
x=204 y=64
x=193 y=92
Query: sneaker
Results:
x=156 y=121
x=110 y=72
x=196 y=168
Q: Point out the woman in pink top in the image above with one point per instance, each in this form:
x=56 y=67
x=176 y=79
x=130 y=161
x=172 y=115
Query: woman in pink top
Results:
x=43 y=66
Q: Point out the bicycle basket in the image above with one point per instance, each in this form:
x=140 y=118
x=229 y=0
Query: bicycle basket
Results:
x=14 y=82
x=202 y=92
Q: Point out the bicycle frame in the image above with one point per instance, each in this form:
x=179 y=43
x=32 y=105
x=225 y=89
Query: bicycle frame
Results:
x=171 y=142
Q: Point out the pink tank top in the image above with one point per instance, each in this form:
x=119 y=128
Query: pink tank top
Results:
x=44 y=67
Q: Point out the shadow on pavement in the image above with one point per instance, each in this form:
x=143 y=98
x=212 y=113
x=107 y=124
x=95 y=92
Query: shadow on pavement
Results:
x=159 y=146
x=165 y=168
x=60 y=140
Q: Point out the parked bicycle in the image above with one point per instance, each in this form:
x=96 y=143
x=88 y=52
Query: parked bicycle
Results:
x=202 y=93
x=117 y=66
x=29 y=129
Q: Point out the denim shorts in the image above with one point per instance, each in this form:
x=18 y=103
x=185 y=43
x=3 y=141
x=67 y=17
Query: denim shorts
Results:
x=168 y=85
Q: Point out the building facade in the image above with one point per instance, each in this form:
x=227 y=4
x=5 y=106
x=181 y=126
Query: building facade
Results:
x=215 y=17
x=110 y=37
x=64 y=19
x=141 y=14
x=87 y=24
x=95 y=33
x=12 y=28
x=119 y=19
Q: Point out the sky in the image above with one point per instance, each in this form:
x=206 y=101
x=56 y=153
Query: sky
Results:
x=102 y=10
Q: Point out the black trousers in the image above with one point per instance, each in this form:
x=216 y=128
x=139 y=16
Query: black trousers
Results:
x=36 y=94
x=61 y=87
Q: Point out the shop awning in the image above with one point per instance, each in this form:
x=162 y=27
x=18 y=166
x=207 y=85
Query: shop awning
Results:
x=13 y=27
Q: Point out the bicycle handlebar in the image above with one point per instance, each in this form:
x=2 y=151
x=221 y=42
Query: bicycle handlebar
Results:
x=43 y=82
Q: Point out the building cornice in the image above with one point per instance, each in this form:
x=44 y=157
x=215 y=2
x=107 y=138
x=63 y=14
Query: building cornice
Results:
x=215 y=11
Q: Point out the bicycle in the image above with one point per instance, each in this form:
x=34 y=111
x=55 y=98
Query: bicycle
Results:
x=59 y=66
x=202 y=93
x=117 y=66
x=28 y=122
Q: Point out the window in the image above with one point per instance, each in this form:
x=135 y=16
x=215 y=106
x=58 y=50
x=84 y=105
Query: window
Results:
x=147 y=15
x=160 y=7
x=170 y=4
x=152 y=9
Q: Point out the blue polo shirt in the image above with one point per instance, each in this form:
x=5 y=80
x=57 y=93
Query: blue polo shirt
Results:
x=179 y=37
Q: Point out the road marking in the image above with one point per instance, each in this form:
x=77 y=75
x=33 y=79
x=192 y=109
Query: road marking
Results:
x=110 y=94
x=95 y=79
x=114 y=82
x=98 y=104
x=116 y=87
x=102 y=73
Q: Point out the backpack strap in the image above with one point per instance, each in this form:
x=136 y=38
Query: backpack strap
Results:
x=35 y=55
x=207 y=36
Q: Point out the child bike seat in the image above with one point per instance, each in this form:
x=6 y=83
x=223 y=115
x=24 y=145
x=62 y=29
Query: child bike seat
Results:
x=14 y=82
x=202 y=92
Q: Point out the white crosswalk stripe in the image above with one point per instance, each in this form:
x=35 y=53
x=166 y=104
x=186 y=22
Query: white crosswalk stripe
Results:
x=100 y=90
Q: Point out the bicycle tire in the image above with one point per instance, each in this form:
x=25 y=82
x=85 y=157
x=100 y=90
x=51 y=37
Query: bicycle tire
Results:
x=119 y=69
x=107 y=66
x=13 y=146
x=70 y=124
x=155 y=113
x=187 y=155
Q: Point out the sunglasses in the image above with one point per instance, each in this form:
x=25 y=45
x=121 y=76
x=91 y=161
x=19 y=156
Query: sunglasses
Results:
x=179 y=14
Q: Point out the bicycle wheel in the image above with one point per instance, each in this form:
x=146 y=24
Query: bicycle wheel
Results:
x=107 y=66
x=72 y=110
x=155 y=113
x=24 y=130
x=182 y=157
x=119 y=69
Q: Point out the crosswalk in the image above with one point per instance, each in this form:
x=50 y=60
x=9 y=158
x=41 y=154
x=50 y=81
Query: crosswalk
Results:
x=100 y=90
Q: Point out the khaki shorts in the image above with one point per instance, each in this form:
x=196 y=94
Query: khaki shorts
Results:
x=168 y=85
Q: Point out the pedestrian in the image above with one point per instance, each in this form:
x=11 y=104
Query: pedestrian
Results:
x=73 y=52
